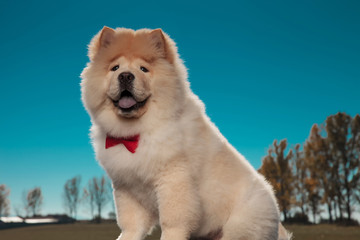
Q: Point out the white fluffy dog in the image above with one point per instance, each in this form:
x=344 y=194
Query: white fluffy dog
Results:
x=169 y=164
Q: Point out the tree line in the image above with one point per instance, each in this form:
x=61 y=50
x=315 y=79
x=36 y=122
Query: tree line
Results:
x=321 y=176
x=94 y=196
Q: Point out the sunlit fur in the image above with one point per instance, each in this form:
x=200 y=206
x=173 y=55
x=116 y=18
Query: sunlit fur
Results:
x=184 y=175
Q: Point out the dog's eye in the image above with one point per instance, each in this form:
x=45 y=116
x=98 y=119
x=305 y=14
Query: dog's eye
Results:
x=114 y=68
x=144 y=69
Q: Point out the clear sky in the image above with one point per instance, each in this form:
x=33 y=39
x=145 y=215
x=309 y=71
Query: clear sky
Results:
x=265 y=69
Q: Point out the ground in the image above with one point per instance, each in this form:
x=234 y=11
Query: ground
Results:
x=328 y=232
x=84 y=231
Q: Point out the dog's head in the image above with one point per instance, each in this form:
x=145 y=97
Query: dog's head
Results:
x=128 y=73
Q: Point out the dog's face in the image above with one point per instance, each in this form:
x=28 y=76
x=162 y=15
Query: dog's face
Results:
x=129 y=86
x=130 y=72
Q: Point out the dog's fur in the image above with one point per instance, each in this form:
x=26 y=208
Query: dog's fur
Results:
x=184 y=175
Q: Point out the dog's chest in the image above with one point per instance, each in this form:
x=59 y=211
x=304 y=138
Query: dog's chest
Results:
x=150 y=155
x=137 y=172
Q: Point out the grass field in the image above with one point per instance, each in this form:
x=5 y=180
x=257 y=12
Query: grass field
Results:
x=328 y=232
x=109 y=231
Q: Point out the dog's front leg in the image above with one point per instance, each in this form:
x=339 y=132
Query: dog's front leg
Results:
x=179 y=208
x=133 y=219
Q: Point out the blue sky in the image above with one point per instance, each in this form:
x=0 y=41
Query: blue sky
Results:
x=265 y=69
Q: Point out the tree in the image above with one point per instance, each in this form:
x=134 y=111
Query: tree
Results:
x=332 y=154
x=71 y=195
x=276 y=168
x=356 y=147
x=89 y=199
x=300 y=175
x=4 y=200
x=313 y=194
x=323 y=168
x=325 y=173
x=343 y=134
x=112 y=215
x=99 y=193
x=34 y=201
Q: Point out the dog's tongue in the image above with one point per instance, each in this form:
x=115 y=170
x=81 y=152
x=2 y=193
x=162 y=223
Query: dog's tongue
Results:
x=127 y=102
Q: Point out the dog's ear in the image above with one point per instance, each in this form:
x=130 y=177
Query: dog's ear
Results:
x=106 y=36
x=101 y=40
x=163 y=44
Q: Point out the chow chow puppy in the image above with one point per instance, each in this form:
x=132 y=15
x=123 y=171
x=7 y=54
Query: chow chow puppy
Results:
x=169 y=164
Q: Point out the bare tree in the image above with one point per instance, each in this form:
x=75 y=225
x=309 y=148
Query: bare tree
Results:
x=19 y=211
x=98 y=190
x=34 y=201
x=112 y=202
x=24 y=211
x=72 y=195
x=89 y=199
x=4 y=200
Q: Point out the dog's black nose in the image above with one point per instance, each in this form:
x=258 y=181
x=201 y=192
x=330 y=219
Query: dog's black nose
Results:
x=126 y=77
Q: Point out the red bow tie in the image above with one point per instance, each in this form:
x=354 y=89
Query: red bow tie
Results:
x=130 y=143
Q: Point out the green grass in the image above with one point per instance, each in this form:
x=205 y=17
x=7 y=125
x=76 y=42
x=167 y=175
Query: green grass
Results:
x=85 y=231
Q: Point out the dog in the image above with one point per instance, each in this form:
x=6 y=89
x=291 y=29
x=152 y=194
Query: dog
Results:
x=169 y=164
